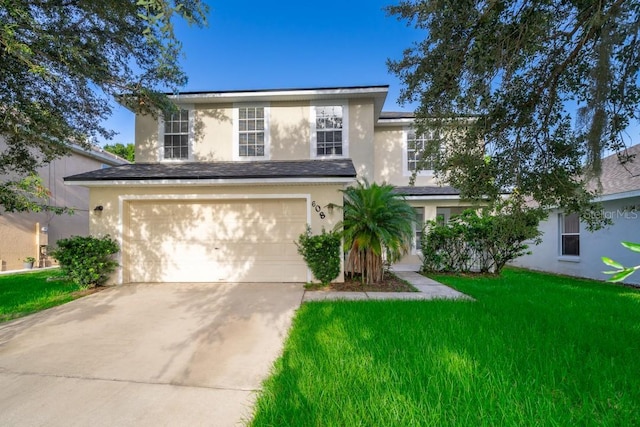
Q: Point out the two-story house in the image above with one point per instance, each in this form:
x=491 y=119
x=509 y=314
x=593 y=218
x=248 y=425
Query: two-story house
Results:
x=221 y=190
x=30 y=234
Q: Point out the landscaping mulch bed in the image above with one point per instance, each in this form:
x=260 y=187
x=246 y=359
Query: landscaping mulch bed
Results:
x=391 y=283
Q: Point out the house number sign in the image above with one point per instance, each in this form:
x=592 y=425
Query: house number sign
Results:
x=316 y=207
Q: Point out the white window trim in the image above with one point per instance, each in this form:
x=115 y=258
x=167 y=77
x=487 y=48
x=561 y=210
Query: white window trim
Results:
x=405 y=157
x=561 y=256
x=190 y=108
x=236 y=131
x=345 y=129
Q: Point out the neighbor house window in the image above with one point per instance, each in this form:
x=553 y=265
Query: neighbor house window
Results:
x=569 y=234
x=176 y=135
x=417 y=229
x=416 y=145
x=329 y=130
x=251 y=131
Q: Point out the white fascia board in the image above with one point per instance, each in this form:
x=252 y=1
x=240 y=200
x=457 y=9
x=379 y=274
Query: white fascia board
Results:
x=209 y=182
x=378 y=93
x=103 y=156
x=270 y=95
x=617 y=196
x=395 y=122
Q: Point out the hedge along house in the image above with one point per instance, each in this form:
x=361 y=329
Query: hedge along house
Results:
x=222 y=189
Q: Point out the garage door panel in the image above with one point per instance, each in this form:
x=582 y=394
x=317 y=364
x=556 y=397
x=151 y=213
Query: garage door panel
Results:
x=195 y=241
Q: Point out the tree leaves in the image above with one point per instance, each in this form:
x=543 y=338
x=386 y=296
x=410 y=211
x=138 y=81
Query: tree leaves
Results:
x=62 y=62
x=522 y=71
x=621 y=272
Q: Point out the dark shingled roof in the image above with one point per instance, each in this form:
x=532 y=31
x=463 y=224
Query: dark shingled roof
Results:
x=427 y=191
x=617 y=178
x=334 y=168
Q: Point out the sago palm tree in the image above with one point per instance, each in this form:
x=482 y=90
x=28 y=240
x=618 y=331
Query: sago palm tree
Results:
x=375 y=221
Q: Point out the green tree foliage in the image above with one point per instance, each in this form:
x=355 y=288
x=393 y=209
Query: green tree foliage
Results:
x=87 y=260
x=127 y=152
x=321 y=253
x=62 y=62
x=541 y=86
x=28 y=194
x=621 y=272
x=376 y=221
x=483 y=241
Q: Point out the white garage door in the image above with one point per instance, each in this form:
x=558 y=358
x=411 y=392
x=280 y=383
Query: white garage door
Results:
x=215 y=241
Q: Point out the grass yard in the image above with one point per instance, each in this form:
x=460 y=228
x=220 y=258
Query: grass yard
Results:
x=533 y=349
x=26 y=293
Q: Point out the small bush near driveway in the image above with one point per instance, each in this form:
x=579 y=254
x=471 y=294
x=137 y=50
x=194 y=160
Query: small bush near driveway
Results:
x=87 y=260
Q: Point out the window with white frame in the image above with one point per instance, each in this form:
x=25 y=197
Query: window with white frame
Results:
x=329 y=130
x=176 y=136
x=417 y=230
x=569 y=234
x=251 y=131
x=416 y=146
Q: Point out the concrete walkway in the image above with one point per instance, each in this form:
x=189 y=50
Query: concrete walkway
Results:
x=428 y=289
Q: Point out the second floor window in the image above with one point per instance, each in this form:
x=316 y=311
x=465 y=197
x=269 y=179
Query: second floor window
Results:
x=251 y=131
x=176 y=136
x=329 y=131
x=416 y=157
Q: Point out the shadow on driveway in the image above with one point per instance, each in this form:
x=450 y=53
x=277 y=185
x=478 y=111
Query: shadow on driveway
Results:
x=145 y=354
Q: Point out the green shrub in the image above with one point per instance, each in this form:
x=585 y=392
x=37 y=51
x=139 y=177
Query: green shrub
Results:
x=87 y=261
x=482 y=241
x=321 y=253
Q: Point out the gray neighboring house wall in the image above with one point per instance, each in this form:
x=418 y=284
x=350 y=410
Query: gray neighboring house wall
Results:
x=25 y=234
x=620 y=198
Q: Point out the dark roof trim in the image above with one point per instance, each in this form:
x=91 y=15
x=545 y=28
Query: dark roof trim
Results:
x=394 y=115
x=411 y=191
x=195 y=171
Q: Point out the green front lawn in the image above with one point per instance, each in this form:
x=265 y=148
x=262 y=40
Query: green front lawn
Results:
x=533 y=349
x=25 y=293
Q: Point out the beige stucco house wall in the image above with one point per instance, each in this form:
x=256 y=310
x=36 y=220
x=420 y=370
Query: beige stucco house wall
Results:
x=119 y=220
x=25 y=234
x=175 y=217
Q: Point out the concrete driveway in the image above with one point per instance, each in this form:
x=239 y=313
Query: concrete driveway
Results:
x=147 y=354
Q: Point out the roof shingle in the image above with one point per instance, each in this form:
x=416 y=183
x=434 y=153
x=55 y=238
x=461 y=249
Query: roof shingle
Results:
x=334 y=168
x=427 y=191
x=617 y=178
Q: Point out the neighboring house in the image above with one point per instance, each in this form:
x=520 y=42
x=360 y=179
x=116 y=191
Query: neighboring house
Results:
x=569 y=248
x=221 y=190
x=33 y=234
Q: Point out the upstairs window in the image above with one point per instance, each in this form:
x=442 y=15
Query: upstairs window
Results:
x=569 y=234
x=251 y=132
x=176 y=136
x=416 y=158
x=329 y=131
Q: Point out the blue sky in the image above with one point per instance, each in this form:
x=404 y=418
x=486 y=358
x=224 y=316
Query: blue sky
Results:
x=289 y=44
